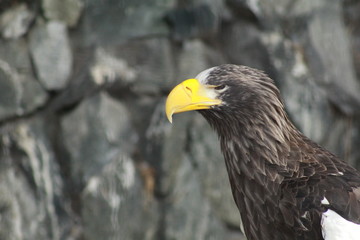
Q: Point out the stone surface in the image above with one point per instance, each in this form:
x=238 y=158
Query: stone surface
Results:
x=242 y=44
x=51 y=54
x=30 y=184
x=310 y=76
x=115 y=204
x=198 y=21
x=112 y=21
x=195 y=57
x=189 y=215
x=161 y=140
x=108 y=68
x=298 y=88
x=338 y=75
x=67 y=11
x=20 y=92
x=144 y=55
x=194 y=199
x=15 y=22
x=94 y=134
x=95 y=70
x=206 y=155
x=352 y=21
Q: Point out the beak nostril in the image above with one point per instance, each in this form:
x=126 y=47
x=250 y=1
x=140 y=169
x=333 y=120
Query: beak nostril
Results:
x=188 y=91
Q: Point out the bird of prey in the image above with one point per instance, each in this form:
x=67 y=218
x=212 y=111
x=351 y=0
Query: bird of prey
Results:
x=285 y=186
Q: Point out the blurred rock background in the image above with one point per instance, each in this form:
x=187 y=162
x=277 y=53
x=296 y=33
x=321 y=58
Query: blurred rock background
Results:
x=86 y=150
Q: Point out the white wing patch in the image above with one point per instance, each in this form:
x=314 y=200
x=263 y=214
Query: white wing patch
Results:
x=325 y=201
x=337 y=174
x=335 y=227
x=201 y=77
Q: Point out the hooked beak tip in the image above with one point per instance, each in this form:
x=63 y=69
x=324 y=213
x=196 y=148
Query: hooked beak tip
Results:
x=169 y=117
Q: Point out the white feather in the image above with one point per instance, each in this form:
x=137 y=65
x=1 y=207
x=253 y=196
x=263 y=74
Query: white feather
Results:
x=201 y=77
x=325 y=201
x=335 y=227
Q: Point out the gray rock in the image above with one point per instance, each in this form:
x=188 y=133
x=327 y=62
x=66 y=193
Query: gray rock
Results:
x=145 y=55
x=20 y=92
x=94 y=134
x=67 y=11
x=242 y=44
x=9 y=98
x=15 y=22
x=352 y=21
x=51 y=53
x=17 y=54
x=346 y=148
x=164 y=146
x=114 y=22
x=218 y=8
x=305 y=100
x=198 y=21
x=97 y=71
x=338 y=76
x=309 y=75
x=195 y=57
x=206 y=154
x=196 y=206
x=115 y=204
x=108 y=68
x=30 y=184
x=188 y=214
x=319 y=28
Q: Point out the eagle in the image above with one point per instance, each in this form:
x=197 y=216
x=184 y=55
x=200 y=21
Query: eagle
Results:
x=285 y=186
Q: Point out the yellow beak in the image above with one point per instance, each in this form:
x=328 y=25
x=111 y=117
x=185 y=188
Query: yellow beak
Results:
x=190 y=95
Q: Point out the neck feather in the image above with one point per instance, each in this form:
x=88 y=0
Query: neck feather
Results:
x=252 y=141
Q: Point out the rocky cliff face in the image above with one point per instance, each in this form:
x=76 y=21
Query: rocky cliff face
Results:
x=86 y=150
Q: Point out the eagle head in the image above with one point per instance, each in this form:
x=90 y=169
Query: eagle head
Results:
x=230 y=93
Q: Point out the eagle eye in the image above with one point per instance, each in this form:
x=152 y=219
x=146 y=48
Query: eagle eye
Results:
x=219 y=87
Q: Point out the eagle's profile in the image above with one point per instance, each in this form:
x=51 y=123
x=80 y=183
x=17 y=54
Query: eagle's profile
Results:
x=285 y=186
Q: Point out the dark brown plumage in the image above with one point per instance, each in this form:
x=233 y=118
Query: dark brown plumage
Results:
x=279 y=178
